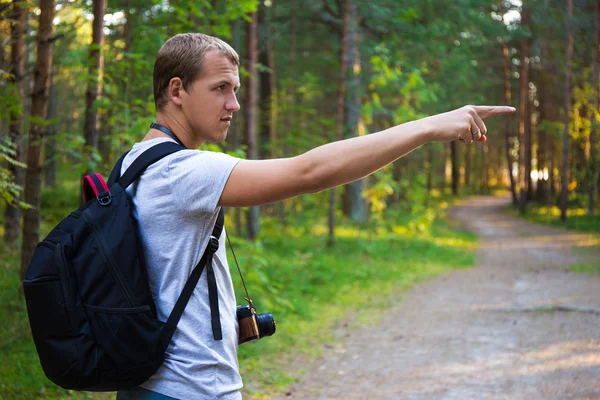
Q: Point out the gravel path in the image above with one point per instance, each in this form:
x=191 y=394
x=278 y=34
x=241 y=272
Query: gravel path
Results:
x=518 y=325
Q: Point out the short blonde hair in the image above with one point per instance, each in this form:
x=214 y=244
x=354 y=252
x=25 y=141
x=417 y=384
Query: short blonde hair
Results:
x=183 y=56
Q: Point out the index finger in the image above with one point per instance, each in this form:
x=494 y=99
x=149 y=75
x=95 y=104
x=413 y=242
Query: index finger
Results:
x=488 y=111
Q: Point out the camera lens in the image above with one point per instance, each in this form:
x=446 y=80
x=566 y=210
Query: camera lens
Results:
x=266 y=324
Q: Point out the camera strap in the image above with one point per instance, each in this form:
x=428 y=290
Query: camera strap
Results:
x=167 y=131
x=240 y=271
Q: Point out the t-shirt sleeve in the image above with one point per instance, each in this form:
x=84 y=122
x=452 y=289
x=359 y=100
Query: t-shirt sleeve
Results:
x=198 y=178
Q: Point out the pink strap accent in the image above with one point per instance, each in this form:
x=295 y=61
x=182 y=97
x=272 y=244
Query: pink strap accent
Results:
x=104 y=185
x=88 y=183
x=90 y=190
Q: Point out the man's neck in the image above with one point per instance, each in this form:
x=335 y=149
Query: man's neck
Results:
x=174 y=126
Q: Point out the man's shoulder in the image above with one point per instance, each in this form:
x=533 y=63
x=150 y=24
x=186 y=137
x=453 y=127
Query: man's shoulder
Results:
x=203 y=160
x=186 y=162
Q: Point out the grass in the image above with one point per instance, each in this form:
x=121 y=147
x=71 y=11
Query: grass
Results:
x=590 y=269
x=309 y=288
x=577 y=218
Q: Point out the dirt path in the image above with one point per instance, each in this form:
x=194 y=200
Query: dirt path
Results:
x=518 y=325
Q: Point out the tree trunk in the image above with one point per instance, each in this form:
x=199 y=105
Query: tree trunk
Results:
x=542 y=140
x=28 y=78
x=529 y=140
x=291 y=96
x=131 y=23
x=552 y=186
x=265 y=94
x=523 y=99
x=268 y=83
x=508 y=121
x=272 y=82
x=31 y=222
x=12 y=213
x=250 y=117
x=339 y=123
x=480 y=169
x=443 y=168
x=94 y=90
x=454 y=164
x=485 y=171
x=356 y=202
x=567 y=97
x=429 y=171
x=3 y=56
x=50 y=145
x=596 y=79
x=236 y=126
x=467 y=164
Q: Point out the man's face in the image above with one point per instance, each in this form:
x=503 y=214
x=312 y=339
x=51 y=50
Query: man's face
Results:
x=211 y=101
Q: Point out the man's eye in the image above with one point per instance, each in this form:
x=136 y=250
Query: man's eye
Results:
x=221 y=88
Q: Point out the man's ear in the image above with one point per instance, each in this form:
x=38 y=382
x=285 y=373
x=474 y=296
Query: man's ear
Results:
x=175 y=90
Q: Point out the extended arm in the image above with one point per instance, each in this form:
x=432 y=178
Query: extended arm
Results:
x=256 y=182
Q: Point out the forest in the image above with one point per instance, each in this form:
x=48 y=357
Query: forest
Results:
x=76 y=93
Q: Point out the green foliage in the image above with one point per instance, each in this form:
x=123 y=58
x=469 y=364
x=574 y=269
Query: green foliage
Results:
x=590 y=269
x=10 y=102
x=9 y=190
x=417 y=197
x=378 y=192
x=577 y=218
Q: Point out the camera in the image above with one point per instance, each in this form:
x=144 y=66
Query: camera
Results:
x=253 y=326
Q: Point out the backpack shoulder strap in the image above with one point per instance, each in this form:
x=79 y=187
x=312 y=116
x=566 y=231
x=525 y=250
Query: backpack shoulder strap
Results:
x=140 y=164
x=190 y=285
x=115 y=174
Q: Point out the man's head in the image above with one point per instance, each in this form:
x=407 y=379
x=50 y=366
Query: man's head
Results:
x=183 y=56
x=195 y=80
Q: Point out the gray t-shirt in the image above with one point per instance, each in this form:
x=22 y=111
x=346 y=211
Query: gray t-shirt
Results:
x=175 y=206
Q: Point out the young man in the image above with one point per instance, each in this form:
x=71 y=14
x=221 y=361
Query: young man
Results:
x=177 y=200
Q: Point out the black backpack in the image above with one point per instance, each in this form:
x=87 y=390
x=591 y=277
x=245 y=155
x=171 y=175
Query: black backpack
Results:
x=91 y=313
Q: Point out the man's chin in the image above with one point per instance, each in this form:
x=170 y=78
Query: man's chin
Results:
x=218 y=138
x=224 y=135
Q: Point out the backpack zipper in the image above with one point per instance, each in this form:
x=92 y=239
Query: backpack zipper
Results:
x=104 y=249
x=61 y=261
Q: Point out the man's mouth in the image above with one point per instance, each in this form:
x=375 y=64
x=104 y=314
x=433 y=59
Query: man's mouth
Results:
x=226 y=121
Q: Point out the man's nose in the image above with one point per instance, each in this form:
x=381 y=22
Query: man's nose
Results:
x=232 y=104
